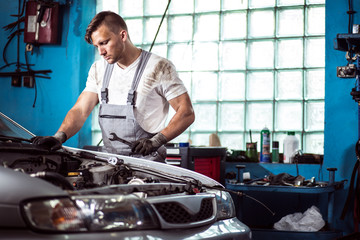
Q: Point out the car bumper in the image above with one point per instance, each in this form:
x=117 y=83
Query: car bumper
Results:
x=225 y=229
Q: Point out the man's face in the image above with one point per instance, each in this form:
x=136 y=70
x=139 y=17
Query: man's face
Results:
x=109 y=44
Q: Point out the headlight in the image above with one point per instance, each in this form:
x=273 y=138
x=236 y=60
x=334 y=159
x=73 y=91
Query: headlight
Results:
x=225 y=204
x=90 y=213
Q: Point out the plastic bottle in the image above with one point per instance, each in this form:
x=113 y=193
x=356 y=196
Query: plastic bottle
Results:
x=275 y=152
x=265 y=145
x=291 y=144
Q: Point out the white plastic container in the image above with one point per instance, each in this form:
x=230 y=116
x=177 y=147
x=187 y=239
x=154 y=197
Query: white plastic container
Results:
x=291 y=145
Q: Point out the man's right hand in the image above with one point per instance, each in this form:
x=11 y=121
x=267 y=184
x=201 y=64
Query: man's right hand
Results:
x=51 y=143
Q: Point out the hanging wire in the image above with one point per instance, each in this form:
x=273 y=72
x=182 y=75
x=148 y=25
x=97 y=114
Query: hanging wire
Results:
x=158 y=30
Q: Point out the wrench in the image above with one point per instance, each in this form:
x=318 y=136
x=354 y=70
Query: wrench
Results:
x=114 y=137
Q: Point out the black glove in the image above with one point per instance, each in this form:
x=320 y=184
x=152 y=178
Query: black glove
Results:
x=51 y=143
x=145 y=146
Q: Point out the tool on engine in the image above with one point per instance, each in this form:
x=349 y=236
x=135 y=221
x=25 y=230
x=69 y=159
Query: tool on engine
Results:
x=111 y=160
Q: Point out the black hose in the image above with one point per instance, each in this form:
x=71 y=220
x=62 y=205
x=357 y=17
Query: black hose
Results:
x=158 y=30
x=53 y=176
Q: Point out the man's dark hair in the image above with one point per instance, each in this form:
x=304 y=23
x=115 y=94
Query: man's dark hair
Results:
x=112 y=20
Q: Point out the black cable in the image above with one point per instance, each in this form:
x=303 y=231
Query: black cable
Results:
x=56 y=177
x=11 y=37
x=158 y=30
x=33 y=75
x=242 y=194
x=22 y=10
x=10 y=27
x=351 y=13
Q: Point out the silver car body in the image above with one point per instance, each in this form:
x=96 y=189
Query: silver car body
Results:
x=163 y=187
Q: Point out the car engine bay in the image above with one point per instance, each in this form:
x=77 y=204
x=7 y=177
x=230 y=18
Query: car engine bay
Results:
x=87 y=171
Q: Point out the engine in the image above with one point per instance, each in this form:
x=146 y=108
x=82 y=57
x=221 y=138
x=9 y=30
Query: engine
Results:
x=81 y=172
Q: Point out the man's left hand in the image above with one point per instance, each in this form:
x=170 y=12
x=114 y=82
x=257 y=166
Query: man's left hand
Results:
x=145 y=146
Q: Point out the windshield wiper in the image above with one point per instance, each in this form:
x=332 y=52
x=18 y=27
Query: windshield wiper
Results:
x=13 y=139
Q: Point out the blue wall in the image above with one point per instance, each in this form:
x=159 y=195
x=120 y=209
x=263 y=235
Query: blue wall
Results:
x=69 y=61
x=341 y=114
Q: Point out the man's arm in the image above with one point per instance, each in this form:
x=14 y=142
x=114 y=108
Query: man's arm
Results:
x=182 y=119
x=78 y=114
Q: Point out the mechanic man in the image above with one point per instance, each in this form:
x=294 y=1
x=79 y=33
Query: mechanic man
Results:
x=134 y=88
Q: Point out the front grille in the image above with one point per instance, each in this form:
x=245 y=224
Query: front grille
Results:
x=175 y=213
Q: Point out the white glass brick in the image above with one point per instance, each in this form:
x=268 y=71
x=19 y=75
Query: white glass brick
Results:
x=234 y=4
x=314 y=116
x=261 y=3
x=204 y=86
x=290 y=2
x=231 y=117
x=159 y=49
x=186 y=78
x=315 y=84
x=184 y=137
x=200 y=139
x=315 y=52
x=107 y=5
x=259 y=115
x=314 y=143
x=206 y=27
x=232 y=86
x=233 y=55
x=289 y=85
x=261 y=54
x=315 y=15
x=131 y=8
x=315 y=1
x=205 y=56
x=155 y=7
x=260 y=86
x=205 y=117
x=151 y=26
x=288 y=116
x=290 y=22
x=231 y=19
x=181 y=56
x=180 y=29
x=207 y=5
x=181 y=6
x=290 y=53
x=262 y=23
x=135 y=29
x=232 y=140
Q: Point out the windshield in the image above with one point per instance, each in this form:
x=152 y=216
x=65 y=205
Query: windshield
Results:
x=11 y=129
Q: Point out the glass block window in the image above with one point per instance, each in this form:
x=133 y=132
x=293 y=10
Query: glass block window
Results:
x=247 y=64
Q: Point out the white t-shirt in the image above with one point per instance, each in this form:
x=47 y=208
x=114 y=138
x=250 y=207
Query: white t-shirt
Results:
x=159 y=84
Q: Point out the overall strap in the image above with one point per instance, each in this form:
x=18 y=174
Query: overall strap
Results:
x=144 y=58
x=104 y=89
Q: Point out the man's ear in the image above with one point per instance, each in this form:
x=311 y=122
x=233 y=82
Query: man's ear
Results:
x=123 y=35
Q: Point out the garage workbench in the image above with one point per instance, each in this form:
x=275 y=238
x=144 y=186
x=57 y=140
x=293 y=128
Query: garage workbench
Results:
x=284 y=200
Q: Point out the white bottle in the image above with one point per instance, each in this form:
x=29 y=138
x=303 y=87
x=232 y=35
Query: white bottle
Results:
x=291 y=145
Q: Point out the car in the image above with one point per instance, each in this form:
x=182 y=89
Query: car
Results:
x=74 y=193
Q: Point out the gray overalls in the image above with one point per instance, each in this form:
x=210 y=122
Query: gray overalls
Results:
x=120 y=119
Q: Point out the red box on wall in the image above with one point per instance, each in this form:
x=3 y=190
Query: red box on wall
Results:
x=41 y=29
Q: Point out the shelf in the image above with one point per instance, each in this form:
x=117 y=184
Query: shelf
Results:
x=285 y=189
x=345 y=41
